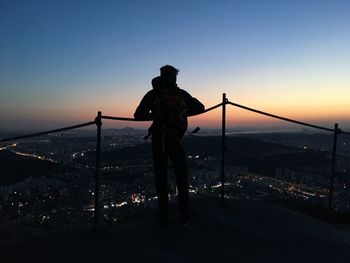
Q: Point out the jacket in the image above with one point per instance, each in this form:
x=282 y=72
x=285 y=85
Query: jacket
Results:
x=144 y=109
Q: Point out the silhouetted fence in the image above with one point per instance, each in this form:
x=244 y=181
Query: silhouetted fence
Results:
x=98 y=122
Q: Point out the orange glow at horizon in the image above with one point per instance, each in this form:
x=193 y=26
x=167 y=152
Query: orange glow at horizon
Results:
x=315 y=113
x=234 y=115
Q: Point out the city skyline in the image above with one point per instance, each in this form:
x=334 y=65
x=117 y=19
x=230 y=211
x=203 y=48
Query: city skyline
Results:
x=62 y=62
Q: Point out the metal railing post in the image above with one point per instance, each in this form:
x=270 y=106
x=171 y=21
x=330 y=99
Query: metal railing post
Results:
x=98 y=122
x=333 y=172
x=223 y=147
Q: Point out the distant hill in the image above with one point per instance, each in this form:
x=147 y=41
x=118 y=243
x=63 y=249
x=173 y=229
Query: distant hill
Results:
x=204 y=146
x=260 y=156
x=254 y=154
x=15 y=168
x=248 y=152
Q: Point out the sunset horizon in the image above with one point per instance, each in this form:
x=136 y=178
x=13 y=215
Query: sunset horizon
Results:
x=63 y=62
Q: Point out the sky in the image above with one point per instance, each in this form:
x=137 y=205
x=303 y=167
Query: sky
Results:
x=62 y=61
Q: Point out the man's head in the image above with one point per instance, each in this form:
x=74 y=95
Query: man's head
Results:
x=169 y=73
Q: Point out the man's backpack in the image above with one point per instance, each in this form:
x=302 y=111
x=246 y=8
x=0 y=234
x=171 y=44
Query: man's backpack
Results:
x=169 y=112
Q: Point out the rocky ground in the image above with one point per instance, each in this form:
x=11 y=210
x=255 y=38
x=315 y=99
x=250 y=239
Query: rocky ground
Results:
x=242 y=231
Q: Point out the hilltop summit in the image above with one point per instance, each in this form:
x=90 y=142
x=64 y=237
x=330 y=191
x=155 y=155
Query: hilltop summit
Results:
x=242 y=231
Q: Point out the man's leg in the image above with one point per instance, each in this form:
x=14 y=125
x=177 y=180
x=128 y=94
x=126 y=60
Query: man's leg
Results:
x=178 y=158
x=160 y=171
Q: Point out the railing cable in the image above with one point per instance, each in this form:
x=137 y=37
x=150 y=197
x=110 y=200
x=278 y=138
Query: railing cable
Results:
x=48 y=132
x=280 y=117
x=344 y=132
x=133 y=119
x=212 y=108
x=120 y=118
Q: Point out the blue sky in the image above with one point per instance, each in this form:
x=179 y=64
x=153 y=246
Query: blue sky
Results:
x=61 y=61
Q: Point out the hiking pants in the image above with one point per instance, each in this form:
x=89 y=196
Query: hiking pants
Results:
x=164 y=146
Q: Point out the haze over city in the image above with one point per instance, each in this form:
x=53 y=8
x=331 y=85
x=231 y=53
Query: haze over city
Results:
x=61 y=62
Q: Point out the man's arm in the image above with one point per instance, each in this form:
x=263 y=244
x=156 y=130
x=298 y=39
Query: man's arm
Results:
x=142 y=112
x=194 y=106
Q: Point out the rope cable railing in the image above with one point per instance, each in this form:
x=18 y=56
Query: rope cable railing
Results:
x=281 y=118
x=47 y=132
x=120 y=118
x=133 y=119
x=345 y=132
x=212 y=108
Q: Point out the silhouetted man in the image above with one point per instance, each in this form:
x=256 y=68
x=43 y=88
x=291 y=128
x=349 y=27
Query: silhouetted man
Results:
x=168 y=106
